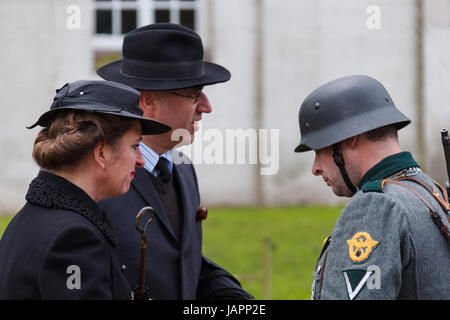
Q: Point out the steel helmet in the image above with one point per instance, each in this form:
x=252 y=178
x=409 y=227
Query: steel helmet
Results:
x=344 y=108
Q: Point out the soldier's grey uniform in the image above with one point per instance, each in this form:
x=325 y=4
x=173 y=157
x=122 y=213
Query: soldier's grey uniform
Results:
x=385 y=244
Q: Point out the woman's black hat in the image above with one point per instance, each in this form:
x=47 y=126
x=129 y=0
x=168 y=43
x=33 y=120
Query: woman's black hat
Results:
x=103 y=97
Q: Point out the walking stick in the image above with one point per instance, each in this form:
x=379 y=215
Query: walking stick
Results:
x=141 y=291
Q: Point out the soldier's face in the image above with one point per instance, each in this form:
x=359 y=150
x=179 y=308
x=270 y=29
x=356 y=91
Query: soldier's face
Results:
x=324 y=166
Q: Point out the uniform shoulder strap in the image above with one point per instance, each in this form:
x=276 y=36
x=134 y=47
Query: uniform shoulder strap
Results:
x=443 y=201
x=435 y=216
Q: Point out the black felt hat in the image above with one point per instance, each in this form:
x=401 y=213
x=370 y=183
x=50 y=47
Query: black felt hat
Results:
x=163 y=56
x=102 y=97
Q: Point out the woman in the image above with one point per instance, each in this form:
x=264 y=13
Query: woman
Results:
x=59 y=246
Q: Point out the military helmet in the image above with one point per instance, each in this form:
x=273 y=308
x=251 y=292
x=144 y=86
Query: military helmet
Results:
x=344 y=108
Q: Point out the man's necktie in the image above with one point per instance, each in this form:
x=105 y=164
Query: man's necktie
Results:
x=163 y=167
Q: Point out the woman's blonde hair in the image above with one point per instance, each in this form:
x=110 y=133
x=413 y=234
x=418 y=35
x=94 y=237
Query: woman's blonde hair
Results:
x=72 y=134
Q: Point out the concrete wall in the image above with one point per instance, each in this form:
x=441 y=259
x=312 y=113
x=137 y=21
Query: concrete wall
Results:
x=232 y=28
x=304 y=44
x=38 y=54
x=437 y=82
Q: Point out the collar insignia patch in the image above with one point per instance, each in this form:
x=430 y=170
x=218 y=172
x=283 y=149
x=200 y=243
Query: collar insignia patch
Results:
x=360 y=246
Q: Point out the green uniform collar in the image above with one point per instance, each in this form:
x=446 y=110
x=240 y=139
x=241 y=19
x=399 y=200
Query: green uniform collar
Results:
x=387 y=167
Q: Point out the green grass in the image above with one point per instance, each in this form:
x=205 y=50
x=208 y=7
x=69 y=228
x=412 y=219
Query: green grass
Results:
x=234 y=238
x=4 y=220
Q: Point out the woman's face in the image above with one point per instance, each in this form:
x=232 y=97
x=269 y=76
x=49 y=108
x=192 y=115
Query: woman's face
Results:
x=125 y=157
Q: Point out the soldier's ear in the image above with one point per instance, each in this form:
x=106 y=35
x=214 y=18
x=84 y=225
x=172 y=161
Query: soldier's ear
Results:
x=353 y=141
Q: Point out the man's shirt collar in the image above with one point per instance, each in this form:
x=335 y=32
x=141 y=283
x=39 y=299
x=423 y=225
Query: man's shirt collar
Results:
x=151 y=158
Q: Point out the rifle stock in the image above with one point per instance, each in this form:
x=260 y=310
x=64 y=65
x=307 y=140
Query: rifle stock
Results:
x=446 y=145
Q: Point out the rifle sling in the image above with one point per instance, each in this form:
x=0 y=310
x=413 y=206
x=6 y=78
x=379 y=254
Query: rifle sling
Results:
x=434 y=214
x=443 y=202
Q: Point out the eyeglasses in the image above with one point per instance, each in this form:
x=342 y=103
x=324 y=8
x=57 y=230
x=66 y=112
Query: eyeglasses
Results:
x=195 y=96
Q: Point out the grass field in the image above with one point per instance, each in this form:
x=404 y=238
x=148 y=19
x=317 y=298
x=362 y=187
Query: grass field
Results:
x=4 y=220
x=234 y=238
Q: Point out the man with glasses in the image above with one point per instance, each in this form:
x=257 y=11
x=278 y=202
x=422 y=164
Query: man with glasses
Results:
x=164 y=62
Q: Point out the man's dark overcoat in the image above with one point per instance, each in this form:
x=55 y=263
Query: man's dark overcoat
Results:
x=175 y=269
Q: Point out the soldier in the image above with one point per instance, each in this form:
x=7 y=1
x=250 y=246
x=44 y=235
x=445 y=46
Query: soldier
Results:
x=391 y=241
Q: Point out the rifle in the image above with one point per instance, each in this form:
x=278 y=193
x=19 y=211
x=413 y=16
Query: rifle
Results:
x=141 y=292
x=446 y=145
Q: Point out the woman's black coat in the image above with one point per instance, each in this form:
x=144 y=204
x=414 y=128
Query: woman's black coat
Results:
x=59 y=246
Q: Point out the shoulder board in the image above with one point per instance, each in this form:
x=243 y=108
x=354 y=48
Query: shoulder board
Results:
x=373 y=186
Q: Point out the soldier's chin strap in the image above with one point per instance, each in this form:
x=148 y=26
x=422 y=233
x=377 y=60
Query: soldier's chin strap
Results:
x=339 y=160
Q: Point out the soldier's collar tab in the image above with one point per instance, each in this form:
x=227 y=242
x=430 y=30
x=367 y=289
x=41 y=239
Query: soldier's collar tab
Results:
x=387 y=167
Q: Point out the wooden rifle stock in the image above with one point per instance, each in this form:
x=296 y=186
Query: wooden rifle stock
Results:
x=446 y=145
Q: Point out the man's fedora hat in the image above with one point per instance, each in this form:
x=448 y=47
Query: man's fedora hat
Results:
x=163 y=56
x=100 y=97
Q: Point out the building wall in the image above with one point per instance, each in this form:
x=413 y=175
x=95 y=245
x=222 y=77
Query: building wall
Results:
x=39 y=54
x=304 y=44
x=437 y=80
x=232 y=29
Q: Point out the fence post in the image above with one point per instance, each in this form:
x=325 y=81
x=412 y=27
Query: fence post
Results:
x=267 y=267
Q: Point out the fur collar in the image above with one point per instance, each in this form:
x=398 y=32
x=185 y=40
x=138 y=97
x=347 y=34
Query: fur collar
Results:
x=51 y=191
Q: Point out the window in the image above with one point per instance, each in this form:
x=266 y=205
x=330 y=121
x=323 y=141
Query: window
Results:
x=176 y=11
x=114 y=18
